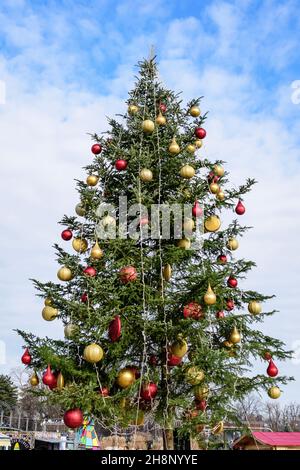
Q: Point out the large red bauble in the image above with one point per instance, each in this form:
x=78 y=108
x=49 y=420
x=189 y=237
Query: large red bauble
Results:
x=200 y=133
x=53 y=385
x=73 y=418
x=232 y=282
x=193 y=310
x=220 y=314
x=153 y=360
x=121 y=165
x=48 y=377
x=201 y=405
x=26 y=358
x=229 y=304
x=90 y=271
x=162 y=107
x=96 y=149
x=267 y=355
x=173 y=360
x=222 y=259
x=272 y=370
x=197 y=209
x=128 y=274
x=240 y=208
x=66 y=235
x=84 y=298
x=104 y=391
x=149 y=391
x=114 y=329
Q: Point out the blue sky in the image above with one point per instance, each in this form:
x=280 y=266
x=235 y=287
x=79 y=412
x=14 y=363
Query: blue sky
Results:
x=66 y=65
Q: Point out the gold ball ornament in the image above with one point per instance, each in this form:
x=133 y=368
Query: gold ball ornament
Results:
x=179 y=348
x=210 y=297
x=64 y=274
x=194 y=375
x=218 y=170
x=191 y=148
x=201 y=392
x=92 y=180
x=80 y=210
x=198 y=143
x=48 y=302
x=212 y=223
x=188 y=226
x=174 y=148
x=34 y=380
x=184 y=243
x=274 y=392
x=96 y=252
x=160 y=120
x=70 y=330
x=60 y=381
x=167 y=272
x=80 y=245
x=218 y=428
x=148 y=126
x=93 y=353
x=49 y=313
x=232 y=244
x=227 y=344
x=146 y=175
x=214 y=188
x=220 y=195
x=187 y=172
x=132 y=109
x=254 y=307
x=195 y=111
x=126 y=377
x=235 y=336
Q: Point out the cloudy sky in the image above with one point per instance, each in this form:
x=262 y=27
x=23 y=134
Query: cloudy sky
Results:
x=66 y=65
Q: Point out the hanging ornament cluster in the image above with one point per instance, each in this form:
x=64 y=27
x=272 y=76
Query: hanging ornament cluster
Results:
x=193 y=310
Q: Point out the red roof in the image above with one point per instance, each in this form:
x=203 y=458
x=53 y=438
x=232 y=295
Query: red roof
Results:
x=278 y=438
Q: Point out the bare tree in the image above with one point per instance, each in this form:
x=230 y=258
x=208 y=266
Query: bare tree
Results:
x=250 y=409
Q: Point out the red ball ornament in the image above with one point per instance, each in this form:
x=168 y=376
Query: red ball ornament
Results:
x=149 y=391
x=84 y=298
x=229 y=305
x=222 y=259
x=153 y=360
x=128 y=274
x=49 y=377
x=90 y=271
x=240 y=208
x=121 y=165
x=114 y=329
x=197 y=209
x=162 y=107
x=220 y=314
x=96 y=149
x=272 y=370
x=73 y=418
x=104 y=391
x=26 y=358
x=267 y=355
x=193 y=310
x=200 y=133
x=173 y=360
x=66 y=235
x=53 y=385
x=201 y=405
x=232 y=282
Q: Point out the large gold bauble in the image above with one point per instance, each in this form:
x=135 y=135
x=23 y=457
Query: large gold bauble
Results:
x=194 y=375
x=198 y=143
x=48 y=302
x=187 y=172
x=218 y=428
x=235 y=336
x=210 y=297
x=191 y=148
x=161 y=120
x=64 y=274
x=92 y=180
x=195 y=111
x=80 y=245
x=148 y=126
x=126 y=378
x=96 y=252
x=70 y=330
x=167 y=272
x=184 y=243
x=232 y=244
x=146 y=175
x=93 y=353
x=132 y=109
x=212 y=223
x=220 y=195
x=274 y=392
x=60 y=381
x=34 y=380
x=179 y=348
x=254 y=307
x=49 y=313
x=218 y=170
x=80 y=210
x=174 y=148
x=201 y=392
x=214 y=188
x=188 y=226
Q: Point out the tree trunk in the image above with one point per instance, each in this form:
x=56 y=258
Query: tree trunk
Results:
x=168 y=439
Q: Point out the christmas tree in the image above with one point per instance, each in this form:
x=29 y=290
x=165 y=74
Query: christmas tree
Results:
x=156 y=325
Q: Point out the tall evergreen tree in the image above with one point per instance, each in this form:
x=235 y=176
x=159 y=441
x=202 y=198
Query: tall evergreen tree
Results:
x=8 y=393
x=155 y=326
